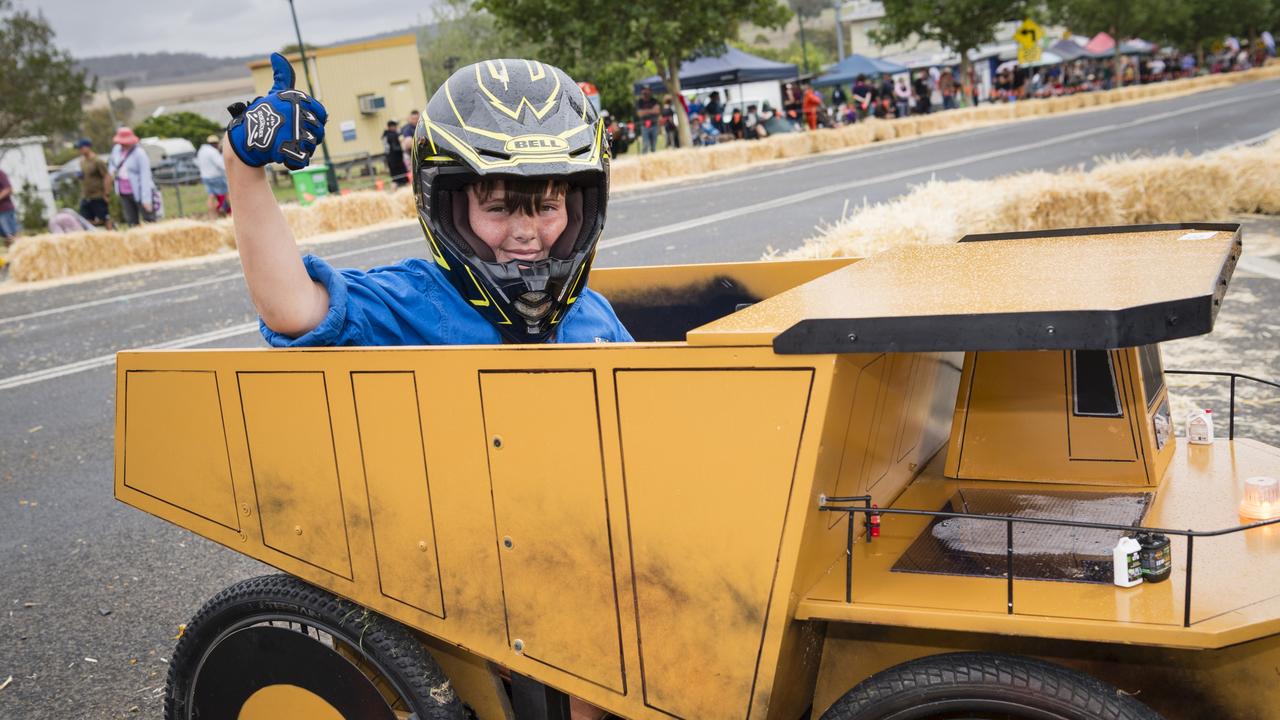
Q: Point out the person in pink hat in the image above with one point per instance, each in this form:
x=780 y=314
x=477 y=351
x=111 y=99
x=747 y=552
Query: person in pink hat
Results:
x=131 y=169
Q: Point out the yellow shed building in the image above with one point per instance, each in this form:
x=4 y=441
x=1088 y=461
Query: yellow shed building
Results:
x=363 y=85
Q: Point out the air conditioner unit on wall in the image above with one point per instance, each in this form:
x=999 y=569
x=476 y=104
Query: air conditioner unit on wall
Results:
x=370 y=104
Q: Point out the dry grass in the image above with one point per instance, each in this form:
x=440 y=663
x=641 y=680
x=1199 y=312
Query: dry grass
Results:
x=1173 y=188
x=1146 y=190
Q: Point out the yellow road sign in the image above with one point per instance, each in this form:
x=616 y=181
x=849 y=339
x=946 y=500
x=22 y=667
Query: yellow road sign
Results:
x=1029 y=34
x=1028 y=54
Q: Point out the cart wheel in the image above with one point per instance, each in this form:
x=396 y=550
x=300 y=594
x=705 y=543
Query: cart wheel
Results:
x=985 y=685
x=277 y=647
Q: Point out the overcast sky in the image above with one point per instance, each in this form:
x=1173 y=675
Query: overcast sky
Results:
x=89 y=28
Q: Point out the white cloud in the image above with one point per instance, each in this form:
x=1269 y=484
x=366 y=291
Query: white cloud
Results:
x=89 y=28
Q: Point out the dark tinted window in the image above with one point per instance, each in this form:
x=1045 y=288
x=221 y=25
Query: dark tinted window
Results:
x=1095 y=384
x=1152 y=371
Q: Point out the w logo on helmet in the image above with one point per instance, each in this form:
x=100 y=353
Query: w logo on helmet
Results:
x=508 y=85
x=260 y=125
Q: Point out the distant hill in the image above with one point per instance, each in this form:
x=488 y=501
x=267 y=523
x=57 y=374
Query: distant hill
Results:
x=163 y=68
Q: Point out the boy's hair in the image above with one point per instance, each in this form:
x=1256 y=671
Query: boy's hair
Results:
x=392 y=123
x=525 y=194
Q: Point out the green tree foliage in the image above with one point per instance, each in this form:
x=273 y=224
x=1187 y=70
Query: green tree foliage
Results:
x=961 y=25
x=41 y=89
x=460 y=35
x=592 y=33
x=31 y=209
x=187 y=125
x=98 y=127
x=1195 y=25
x=1120 y=20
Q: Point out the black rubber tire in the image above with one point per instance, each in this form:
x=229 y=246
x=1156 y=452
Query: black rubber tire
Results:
x=398 y=657
x=985 y=685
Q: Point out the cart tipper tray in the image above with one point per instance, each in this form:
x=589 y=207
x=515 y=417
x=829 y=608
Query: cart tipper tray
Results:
x=681 y=526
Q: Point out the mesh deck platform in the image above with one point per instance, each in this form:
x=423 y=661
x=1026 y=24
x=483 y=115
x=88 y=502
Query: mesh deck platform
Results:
x=958 y=546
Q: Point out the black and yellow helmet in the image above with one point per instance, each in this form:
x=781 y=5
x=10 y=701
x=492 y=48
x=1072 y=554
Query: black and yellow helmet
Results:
x=512 y=119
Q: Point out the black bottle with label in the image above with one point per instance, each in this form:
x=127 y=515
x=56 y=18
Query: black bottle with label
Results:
x=1156 y=555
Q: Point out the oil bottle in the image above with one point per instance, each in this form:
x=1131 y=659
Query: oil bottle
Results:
x=1126 y=561
x=1157 y=556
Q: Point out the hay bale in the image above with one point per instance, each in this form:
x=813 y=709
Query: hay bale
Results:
x=354 y=210
x=1117 y=192
x=172 y=240
x=670 y=164
x=791 y=145
x=1167 y=189
x=726 y=155
x=623 y=173
x=883 y=130
x=44 y=257
x=405 y=203
x=302 y=222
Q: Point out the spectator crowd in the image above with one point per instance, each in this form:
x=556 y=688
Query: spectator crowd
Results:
x=916 y=92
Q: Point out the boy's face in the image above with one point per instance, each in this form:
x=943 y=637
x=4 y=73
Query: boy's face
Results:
x=516 y=235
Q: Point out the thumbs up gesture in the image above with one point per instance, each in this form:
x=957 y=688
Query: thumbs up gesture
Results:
x=283 y=126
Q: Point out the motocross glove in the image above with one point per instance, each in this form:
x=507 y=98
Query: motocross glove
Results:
x=284 y=126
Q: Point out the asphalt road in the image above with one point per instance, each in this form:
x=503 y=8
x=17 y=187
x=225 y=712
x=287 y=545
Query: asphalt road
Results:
x=92 y=592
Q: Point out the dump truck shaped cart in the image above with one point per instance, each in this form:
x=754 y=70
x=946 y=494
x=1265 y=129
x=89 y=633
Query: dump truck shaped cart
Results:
x=681 y=527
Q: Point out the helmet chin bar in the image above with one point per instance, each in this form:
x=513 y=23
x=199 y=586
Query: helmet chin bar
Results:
x=533 y=287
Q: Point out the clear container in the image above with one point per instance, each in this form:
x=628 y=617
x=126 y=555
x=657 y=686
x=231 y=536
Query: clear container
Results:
x=1261 y=498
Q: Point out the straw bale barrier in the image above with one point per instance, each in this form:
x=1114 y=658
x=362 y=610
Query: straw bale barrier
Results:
x=1150 y=189
x=43 y=257
x=1171 y=188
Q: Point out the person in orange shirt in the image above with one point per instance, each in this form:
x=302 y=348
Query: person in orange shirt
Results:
x=812 y=102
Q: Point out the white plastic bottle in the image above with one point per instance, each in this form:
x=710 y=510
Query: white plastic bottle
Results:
x=1126 y=561
x=1200 y=427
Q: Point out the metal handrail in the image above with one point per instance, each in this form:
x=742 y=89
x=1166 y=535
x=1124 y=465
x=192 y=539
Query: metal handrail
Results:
x=825 y=504
x=1231 y=418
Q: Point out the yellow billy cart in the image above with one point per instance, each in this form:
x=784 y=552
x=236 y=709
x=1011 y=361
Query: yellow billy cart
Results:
x=848 y=489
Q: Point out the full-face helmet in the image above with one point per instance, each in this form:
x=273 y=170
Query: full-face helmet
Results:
x=514 y=120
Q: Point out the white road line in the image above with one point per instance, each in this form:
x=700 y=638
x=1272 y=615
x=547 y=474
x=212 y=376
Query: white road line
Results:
x=909 y=172
x=105 y=360
x=1260 y=266
x=175 y=288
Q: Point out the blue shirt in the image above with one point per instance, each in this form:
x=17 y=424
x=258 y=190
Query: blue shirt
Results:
x=412 y=303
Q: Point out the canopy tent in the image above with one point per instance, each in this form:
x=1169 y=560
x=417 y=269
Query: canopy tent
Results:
x=1068 y=49
x=731 y=68
x=1101 y=45
x=1137 y=46
x=848 y=69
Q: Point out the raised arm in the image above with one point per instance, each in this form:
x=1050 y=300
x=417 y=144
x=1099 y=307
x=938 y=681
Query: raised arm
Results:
x=285 y=127
x=286 y=297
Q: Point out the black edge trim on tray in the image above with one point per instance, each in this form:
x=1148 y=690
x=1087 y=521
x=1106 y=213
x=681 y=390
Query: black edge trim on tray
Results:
x=1042 y=330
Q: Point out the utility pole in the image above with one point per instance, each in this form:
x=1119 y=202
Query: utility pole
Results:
x=331 y=177
x=839 y=31
x=804 y=47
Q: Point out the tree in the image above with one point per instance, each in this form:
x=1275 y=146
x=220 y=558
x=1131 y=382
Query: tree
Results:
x=806 y=10
x=1193 y=25
x=1120 y=20
x=573 y=33
x=98 y=126
x=186 y=125
x=959 y=25
x=458 y=36
x=41 y=87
